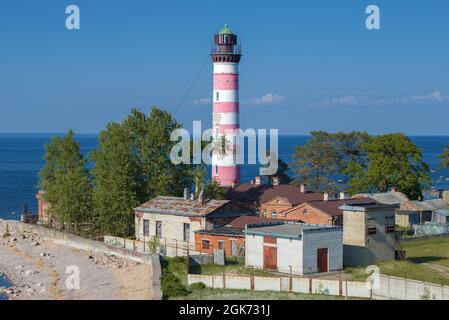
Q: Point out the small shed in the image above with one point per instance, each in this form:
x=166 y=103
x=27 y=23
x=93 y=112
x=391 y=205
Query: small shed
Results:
x=295 y=248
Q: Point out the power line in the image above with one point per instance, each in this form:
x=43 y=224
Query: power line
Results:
x=192 y=85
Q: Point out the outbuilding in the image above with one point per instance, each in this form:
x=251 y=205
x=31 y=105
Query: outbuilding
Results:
x=295 y=248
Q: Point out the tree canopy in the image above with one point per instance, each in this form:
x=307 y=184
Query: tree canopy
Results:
x=66 y=181
x=445 y=157
x=132 y=165
x=326 y=157
x=393 y=161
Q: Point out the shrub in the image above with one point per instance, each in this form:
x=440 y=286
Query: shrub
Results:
x=172 y=285
x=198 y=286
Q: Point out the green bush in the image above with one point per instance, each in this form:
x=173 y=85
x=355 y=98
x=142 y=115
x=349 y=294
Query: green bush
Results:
x=172 y=285
x=198 y=286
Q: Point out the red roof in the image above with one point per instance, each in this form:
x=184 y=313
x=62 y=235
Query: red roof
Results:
x=248 y=192
x=240 y=222
x=332 y=207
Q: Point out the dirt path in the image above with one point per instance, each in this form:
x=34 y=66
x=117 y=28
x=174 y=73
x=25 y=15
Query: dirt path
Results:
x=442 y=270
x=45 y=270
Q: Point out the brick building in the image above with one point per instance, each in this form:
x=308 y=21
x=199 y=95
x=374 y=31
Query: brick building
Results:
x=230 y=237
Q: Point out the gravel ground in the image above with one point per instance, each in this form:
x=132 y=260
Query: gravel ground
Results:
x=42 y=270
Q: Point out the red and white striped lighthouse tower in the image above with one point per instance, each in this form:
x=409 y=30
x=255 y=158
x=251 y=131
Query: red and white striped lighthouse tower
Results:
x=226 y=56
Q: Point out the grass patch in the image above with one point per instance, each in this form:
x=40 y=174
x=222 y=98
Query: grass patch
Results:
x=418 y=252
x=231 y=294
x=234 y=266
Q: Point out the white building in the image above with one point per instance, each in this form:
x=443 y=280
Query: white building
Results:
x=294 y=247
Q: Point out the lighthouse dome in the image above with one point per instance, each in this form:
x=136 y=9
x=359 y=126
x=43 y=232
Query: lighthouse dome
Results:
x=226 y=30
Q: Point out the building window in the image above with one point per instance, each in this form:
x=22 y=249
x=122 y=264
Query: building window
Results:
x=217 y=96
x=372 y=231
x=187 y=232
x=264 y=213
x=390 y=229
x=273 y=214
x=159 y=229
x=221 y=244
x=306 y=211
x=216 y=171
x=205 y=244
x=146 y=228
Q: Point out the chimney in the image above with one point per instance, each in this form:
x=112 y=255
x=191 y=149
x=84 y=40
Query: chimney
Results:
x=303 y=188
x=186 y=194
x=344 y=196
x=275 y=181
x=258 y=181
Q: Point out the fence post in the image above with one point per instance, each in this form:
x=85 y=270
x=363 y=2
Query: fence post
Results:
x=340 y=284
x=346 y=290
x=310 y=285
x=224 y=277
x=405 y=288
x=176 y=245
x=388 y=287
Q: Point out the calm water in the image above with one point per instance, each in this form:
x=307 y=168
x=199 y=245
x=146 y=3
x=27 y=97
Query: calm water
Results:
x=21 y=159
x=4 y=283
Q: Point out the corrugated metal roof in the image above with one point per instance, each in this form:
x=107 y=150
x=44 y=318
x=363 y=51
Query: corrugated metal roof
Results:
x=248 y=192
x=293 y=230
x=180 y=206
x=392 y=197
x=430 y=205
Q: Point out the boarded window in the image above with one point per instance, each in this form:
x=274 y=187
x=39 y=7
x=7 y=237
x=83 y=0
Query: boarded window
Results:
x=371 y=230
x=159 y=229
x=146 y=228
x=268 y=239
x=187 y=232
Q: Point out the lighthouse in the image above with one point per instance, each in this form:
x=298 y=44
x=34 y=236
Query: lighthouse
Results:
x=226 y=54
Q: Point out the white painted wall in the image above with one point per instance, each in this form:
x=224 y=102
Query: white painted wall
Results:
x=313 y=240
x=226 y=67
x=254 y=251
x=289 y=253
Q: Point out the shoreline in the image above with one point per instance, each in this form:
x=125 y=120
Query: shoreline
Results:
x=39 y=269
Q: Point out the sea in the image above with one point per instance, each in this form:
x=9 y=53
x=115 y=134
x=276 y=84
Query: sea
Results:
x=21 y=158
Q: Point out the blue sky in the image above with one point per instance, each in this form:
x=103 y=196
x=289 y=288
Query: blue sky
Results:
x=307 y=65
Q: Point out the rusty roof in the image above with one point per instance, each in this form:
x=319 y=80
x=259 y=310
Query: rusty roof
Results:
x=242 y=221
x=248 y=192
x=180 y=206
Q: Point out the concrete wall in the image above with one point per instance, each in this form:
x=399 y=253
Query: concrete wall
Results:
x=403 y=289
x=17 y=228
x=298 y=285
x=254 y=251
x=289 y=253
x=331 y=239
x=361 y=248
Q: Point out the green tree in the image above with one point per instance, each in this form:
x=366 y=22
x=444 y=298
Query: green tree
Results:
x=213 y=190
x=328 y=158
x=117 y=180
x=66 y=181
x=445 y=157
x=393 y=161
x=132 y=165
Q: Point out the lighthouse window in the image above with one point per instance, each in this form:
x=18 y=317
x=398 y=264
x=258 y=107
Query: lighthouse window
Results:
x=217 y=96
x=216 y=170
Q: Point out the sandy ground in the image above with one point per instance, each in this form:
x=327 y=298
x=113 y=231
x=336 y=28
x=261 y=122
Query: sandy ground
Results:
x=41 y=270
